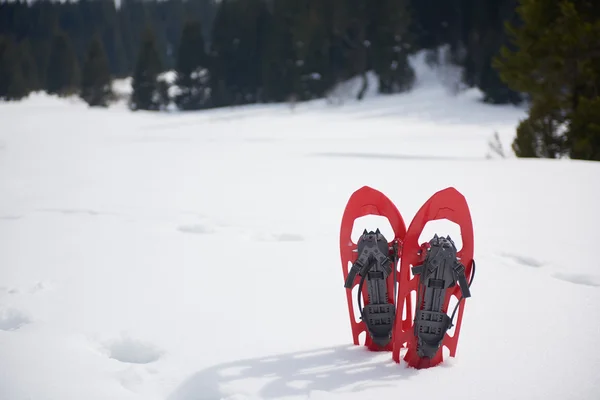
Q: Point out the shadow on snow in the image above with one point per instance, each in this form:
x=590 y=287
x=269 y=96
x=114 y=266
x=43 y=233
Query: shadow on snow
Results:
x=396 y=156
x=340 y=369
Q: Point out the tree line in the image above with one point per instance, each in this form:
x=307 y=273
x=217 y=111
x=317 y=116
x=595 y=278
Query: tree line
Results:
x=251 y=50
x=232 y=52
x=45 y=45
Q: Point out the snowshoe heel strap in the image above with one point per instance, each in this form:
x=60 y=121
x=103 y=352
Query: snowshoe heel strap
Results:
x=459 y=271
x=379 y=319
x=430 y=327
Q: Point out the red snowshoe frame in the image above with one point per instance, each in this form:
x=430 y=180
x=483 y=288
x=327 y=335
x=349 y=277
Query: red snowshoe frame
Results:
x=446 y=204
x=367 y=201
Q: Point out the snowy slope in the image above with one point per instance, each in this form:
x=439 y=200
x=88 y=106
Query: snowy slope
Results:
x=195 y=256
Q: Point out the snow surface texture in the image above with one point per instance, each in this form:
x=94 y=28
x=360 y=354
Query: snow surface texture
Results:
x=189 y=256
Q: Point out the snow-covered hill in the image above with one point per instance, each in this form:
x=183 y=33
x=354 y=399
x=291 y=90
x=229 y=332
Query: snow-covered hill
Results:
x=186 y=256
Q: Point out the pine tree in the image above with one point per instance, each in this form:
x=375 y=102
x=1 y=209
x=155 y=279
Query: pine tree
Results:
x=13 y=86
x=556 y=62
x=350 y=42
x=537 y=135
x=480 y=40
x=28 y=66
x=192 y=68
x=63 y=74
x=313 y=39
x=390 y=22
x=146 y=88
x=584 y=130
x=96 y=79
x=237 y=50
x=112 y=39
x=278 y=63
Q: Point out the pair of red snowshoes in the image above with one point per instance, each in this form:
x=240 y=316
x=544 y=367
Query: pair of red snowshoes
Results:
x=430 y=275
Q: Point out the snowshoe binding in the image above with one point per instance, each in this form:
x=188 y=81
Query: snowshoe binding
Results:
x=375 y=263
x=440 y=271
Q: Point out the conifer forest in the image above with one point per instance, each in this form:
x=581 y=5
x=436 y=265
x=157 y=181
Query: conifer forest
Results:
x=544 y=54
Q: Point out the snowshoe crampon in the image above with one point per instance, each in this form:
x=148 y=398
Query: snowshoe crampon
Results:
x=372 y=264
x=439 y=273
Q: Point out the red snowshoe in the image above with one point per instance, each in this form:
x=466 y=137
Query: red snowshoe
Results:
x=372 y=264
x=435 y=271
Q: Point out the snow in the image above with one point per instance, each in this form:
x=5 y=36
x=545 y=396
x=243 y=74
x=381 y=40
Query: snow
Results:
x=185 y=256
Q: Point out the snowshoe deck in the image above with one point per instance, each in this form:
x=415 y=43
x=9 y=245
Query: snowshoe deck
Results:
x=373 y=261
x=439 y=273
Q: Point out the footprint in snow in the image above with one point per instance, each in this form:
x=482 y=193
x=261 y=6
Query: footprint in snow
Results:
x=12 y=319
x=40 y=287
x=299 y=384
x=233 y=371
x=77 y=211
x=269 y=360
x=260 y=140
x=10 y=217
x=280 y=237
x=523 y=260
x=130 y=379
x=196 y=229
x=578 y=279
x=4 y=290
x=37 y=288
x=288 y=237
x=133 y=351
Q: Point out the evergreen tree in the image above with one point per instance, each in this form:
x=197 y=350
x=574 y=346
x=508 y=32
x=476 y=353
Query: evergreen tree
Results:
x=237 y=50
x=112 y=39
x=481 y=40
x=12 y=83
x=63 y=74
x=96 y=79
x=146 y=88
x=315 y=46
x=350 y=42
x=278 y=63
x=192 y=68
x=557 y=63
x=115 y=52
x=28 y=67
x=537 y=135
x=391 y=45
x=584 y=130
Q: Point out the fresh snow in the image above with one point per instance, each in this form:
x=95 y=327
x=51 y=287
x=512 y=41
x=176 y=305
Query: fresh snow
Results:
x=186 y=256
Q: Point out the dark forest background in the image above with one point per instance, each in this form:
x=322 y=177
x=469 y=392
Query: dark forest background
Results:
x=252 y=50
x=232 y=52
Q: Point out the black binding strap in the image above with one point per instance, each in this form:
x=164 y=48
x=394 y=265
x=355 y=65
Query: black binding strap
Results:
x=440 y=270
x=374 y=265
